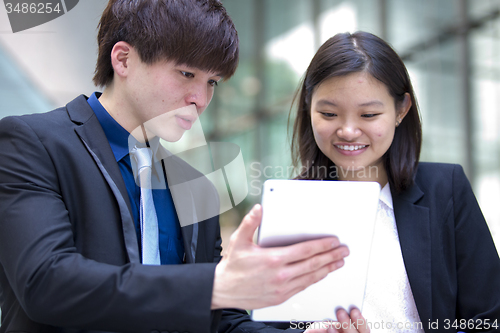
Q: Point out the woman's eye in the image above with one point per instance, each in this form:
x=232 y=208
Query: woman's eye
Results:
x=187 y=74
x=328 y=114
x=213 y=83
x=369 y=115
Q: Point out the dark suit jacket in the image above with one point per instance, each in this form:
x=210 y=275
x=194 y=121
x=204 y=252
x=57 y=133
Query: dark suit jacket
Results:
x=449 y=255
x=450 y=258
x=69 y=256
x=68 y=249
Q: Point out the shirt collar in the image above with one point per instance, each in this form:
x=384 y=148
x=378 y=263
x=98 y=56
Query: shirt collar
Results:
x=117 y=136
x=385 y=196
x=153 y=144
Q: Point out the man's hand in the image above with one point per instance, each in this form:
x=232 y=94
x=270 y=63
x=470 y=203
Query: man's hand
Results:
x=251 y=277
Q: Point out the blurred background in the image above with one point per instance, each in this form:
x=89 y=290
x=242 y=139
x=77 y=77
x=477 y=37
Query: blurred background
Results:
x=451 y=49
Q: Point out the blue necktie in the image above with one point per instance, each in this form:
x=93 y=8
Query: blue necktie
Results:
x=148 y=219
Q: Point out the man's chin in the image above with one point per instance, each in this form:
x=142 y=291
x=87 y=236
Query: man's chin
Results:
x=172 y=135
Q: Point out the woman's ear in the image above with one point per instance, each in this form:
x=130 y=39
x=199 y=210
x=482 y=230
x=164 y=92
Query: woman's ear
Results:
x=403 y=109
x=120 y=55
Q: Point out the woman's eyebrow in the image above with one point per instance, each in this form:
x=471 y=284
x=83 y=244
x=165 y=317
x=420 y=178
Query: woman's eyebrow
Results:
x=372 y=103
x=326 y=102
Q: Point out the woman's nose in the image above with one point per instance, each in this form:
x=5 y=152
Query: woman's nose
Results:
x=348 y=131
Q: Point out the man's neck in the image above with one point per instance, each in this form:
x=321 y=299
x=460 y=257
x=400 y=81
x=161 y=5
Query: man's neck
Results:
x=115 y=104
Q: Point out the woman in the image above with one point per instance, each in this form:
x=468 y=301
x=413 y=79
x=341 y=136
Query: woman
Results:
x=433 y=266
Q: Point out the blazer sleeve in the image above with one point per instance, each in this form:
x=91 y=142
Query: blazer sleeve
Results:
x=477 y=261
x=238 y=321
x=56 y=285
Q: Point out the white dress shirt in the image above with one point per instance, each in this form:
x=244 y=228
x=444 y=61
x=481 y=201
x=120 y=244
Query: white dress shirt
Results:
x=388 y=305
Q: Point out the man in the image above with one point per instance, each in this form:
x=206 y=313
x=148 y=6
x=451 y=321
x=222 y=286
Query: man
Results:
x=71 y=244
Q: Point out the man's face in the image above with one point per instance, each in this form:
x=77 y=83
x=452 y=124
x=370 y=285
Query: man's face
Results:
x=166 y=96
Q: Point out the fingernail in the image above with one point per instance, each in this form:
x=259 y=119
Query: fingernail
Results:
x=335 y=243
x=339 y=263
x=342 y=314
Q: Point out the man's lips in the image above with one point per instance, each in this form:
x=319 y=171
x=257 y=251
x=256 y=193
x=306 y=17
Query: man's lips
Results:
x=185 y=121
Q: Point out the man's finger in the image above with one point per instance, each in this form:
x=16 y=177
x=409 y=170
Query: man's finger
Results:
x=308 y=249
x=303 y=281
x=329 y=261
x=250 y=223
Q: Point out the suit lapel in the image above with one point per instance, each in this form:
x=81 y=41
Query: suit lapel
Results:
x=94 y=139
x=413 y=224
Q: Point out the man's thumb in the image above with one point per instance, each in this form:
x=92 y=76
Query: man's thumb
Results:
x=250 y=223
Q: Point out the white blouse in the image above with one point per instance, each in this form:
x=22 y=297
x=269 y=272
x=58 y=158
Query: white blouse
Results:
x=388 y=304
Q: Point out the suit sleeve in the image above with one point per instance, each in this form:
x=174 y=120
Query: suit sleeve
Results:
x=57 y=286
x=478 y=264
x=238 y=320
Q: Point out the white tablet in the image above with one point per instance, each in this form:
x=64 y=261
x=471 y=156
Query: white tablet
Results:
x=298 y=210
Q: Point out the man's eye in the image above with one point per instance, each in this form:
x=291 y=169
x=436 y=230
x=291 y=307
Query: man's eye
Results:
x=213 y=83
x=187 y=74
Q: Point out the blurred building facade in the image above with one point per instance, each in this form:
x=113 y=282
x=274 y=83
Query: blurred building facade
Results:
x=451 y=48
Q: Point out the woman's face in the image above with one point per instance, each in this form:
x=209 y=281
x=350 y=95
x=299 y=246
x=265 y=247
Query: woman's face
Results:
x=353 y=120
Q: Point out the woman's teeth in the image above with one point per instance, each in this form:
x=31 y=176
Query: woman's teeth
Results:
x=350 y=147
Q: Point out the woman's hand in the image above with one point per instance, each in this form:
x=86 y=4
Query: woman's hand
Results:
x=353 y=323
x=321 y=330
x=323 y=327
x=349 y=323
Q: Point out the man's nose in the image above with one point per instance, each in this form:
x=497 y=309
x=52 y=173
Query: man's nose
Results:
x=200 y=96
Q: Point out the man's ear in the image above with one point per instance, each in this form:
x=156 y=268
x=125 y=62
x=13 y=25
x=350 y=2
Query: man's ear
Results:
x=403 y=109
x=120 y=55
